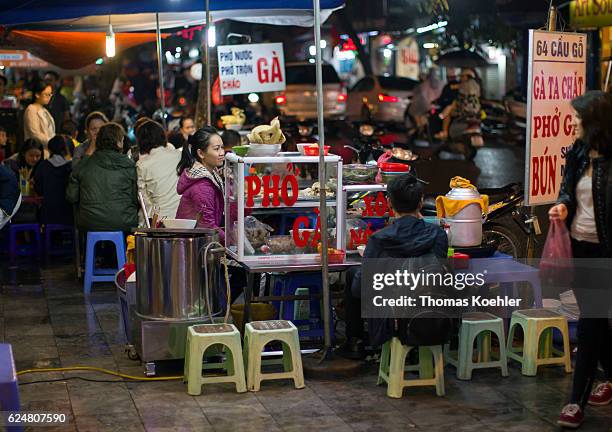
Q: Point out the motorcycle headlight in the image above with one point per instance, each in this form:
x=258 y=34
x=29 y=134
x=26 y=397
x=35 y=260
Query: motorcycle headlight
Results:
x=366 y=130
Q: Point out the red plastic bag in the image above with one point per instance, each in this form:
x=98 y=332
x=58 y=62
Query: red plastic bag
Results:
x=383 y=158
x=556 y=264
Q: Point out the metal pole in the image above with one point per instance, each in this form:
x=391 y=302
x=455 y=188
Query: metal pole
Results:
x=608 y=75
x=160 y=70
x=322 y=181
x=207 y=64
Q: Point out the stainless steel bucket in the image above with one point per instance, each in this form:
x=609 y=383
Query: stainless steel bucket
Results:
x=170 y=274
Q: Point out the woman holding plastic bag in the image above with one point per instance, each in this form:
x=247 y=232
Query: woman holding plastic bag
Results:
x=585 y=205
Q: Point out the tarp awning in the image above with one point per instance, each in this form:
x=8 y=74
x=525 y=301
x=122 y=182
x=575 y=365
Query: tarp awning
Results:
x=138 y=15
x=73 y=50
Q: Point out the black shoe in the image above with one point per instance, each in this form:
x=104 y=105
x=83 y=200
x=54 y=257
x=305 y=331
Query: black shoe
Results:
x=353 y=349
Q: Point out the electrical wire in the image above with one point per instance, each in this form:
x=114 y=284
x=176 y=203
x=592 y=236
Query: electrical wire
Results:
x=101 y=370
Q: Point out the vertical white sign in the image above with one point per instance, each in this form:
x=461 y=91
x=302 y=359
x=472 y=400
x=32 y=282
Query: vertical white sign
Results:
x=557 y=74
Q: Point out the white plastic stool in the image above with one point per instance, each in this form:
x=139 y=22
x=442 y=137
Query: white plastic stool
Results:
x=259 y=333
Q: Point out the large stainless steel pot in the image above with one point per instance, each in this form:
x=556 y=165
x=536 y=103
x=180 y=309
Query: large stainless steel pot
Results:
x=466 y=225
x=170 y=275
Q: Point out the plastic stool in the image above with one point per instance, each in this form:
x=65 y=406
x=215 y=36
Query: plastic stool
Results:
x=199 y=339
x=256 y=335
x=26 y=250
x=536 y=324
x=478 y=326
x=392 y=368
x=102 y=275
x=55 y=228
x=9 y=389
x=290 y=310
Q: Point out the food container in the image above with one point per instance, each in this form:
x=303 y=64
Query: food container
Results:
x=460 y=261
x=281 y=245
x=466 y=225
x=263 y=150
x=241 y=150
x=233 y=127
x=390 y=167
x=313 y=150
x=302 y=147
x=359 y=173
x=334 y=256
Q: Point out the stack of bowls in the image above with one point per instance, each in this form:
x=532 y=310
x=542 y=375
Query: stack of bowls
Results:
x=389 y=170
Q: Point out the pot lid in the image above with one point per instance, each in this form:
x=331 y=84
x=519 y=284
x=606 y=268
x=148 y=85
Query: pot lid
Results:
x=463 y=194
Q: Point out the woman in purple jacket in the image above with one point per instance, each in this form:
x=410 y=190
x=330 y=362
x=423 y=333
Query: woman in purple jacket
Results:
x=200 y=185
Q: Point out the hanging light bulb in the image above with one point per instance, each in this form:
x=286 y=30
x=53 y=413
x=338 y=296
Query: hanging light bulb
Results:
x=110 y=40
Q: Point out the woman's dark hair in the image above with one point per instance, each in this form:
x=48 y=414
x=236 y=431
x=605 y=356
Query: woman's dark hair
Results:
x=177 y=140
x=38 y=88
x=95 y=115
x=150 y=135
x=230 y=139
x=140 y=122
x=182 y=121
x=198 y=141
x=58 y=145
x=29 y=144
x=595 y=110
x=405 y=193
x=110 y=137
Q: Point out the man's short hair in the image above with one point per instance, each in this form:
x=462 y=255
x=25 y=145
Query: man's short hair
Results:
x=405 y=193
x=58 y=145
x=95 y=115
x=230 y=139
x=2 y=129
x=55 y=74
x=110 y=137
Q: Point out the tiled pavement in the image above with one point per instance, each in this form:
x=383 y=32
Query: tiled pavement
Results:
x=46 y=318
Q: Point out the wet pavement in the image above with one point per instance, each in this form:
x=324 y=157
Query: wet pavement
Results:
x=49 y=322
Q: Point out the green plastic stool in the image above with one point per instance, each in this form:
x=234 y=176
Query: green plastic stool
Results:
x=537 y=349
x=393 y=368
x=199 y=339
x=259 y=333
x=478 y=326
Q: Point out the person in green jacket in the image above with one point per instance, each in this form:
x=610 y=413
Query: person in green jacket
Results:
x=103 y=187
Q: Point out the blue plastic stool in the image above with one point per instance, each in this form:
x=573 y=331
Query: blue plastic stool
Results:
x=56 y=228
x=102 y=275
x=9 y=390
x=24 y=250
x=288 y=284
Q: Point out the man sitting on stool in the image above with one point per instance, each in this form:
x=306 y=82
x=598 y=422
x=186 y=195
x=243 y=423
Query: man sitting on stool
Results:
x=408 y=237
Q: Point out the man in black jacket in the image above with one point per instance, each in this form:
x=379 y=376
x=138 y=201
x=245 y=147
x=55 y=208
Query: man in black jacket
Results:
x=408 y=237
x=9 y=195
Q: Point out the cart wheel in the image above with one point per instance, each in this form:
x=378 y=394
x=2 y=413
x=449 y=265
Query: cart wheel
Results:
x=149 y=369
x=131 y=352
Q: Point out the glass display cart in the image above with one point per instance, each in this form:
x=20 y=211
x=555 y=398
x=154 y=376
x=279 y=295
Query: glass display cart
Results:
x=271 y=208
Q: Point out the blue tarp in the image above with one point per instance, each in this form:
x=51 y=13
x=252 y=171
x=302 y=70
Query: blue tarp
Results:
x=14 y=12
